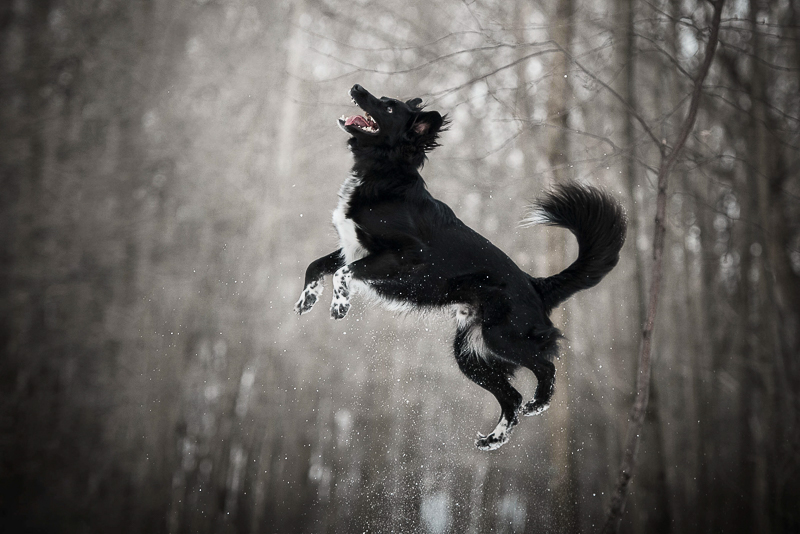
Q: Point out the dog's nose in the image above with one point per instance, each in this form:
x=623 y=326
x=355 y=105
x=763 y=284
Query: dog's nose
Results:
x=357 y=88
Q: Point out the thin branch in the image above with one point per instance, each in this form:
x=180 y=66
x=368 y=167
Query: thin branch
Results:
x=768 y=64
x=631 y=109
x=534 y=124
x=429 y=62
x=643 y=380
x=345 y=44
x=775 y=109
x=683 y=20
x=495 y=71
x=670 y=57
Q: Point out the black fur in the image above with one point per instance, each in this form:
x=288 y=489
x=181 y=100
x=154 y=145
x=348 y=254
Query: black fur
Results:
x=411 y=248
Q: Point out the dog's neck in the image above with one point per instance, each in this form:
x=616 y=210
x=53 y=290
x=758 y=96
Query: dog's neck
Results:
x=376 y=158
x=386 y=180
x=386 y=173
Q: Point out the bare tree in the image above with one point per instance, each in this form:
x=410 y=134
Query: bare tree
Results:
x=669 y=157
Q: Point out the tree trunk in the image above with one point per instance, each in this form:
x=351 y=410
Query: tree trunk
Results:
x=652 y=499
x=759 y=386
x=668 y=160
x=559 y=419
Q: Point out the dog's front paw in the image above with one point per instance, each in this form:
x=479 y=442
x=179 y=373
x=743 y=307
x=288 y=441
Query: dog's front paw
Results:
x=308 y=298
x=341 y=293
x=339 y=309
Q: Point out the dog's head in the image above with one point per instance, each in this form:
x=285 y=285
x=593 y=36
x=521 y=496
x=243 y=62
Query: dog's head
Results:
x=391 y=128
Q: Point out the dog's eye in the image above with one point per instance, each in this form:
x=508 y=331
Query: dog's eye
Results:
x=389 y=110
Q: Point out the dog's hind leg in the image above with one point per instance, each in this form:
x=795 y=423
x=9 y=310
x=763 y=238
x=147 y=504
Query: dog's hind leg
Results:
x=545 y=373
x=534 y=353
x=492 y=375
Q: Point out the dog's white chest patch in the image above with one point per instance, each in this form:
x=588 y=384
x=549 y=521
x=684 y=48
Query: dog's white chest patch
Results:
x=345 y=227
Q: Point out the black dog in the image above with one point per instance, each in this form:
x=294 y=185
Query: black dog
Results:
x=400 y=244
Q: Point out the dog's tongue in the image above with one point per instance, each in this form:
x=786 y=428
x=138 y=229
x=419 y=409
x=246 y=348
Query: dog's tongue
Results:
x=358 y=120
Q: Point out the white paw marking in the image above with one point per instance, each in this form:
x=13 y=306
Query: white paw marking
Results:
x=341 y=292
x=308 y=297
x=534 y=408
x=498 y=437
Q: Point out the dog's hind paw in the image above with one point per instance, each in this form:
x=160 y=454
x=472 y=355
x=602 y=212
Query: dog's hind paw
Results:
x=499 y=436
x=535 y=407
x=492 y=441
x=308 y=298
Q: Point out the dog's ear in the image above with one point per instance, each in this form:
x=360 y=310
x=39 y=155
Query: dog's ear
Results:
x=414 y=103
x=428 y=123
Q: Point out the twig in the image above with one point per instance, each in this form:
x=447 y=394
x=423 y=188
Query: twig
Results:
x=631 y=109
x=643 y=379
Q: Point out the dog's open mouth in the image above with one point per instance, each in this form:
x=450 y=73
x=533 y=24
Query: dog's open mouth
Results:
x=365 y=124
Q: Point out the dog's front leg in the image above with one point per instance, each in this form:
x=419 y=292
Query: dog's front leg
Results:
x=313 y=282
x=372 y=268
x=341 y=292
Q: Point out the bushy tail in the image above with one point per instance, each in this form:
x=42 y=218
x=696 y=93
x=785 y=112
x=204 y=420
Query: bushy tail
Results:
x=599 y=224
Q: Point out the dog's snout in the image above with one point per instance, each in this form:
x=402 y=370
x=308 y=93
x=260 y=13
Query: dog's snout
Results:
x=361 y=95
x=357 y=89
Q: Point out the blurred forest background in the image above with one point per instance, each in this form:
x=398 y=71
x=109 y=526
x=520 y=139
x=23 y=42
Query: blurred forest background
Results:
x=168 y=169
